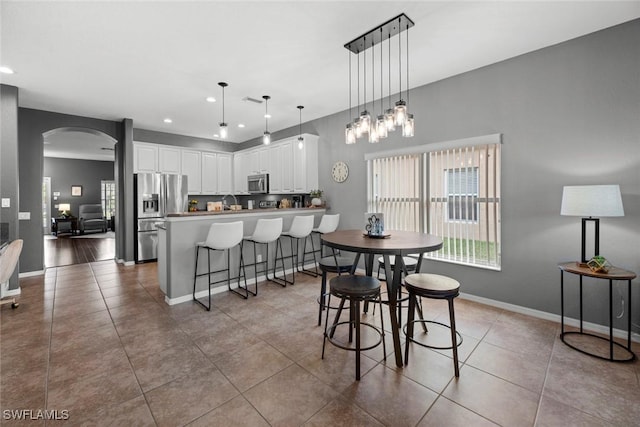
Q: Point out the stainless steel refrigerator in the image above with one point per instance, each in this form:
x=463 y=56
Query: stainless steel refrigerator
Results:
x=156 y=195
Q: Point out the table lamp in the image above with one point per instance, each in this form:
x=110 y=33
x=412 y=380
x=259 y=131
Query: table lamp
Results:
x=591 y=202
x=64 y=207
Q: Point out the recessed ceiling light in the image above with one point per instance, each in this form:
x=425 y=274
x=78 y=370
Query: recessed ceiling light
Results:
x=168 y=120
x=211 y=99
x=240 y=125
x=6 y=70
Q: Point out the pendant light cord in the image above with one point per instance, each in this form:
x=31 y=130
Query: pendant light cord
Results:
x=365 y=73
x=400 y=58
x=407 y=64
x=389 y=40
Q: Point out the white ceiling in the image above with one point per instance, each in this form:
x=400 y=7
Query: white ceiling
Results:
x=149 y=60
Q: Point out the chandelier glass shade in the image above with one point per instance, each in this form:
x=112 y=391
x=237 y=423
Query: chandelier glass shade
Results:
x=378 y=125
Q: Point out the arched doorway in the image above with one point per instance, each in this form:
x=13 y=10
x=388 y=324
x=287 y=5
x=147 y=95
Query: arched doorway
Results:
x=78 y=176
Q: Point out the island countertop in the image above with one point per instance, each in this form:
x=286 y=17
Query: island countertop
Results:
x=179 y=232
x=311 y=209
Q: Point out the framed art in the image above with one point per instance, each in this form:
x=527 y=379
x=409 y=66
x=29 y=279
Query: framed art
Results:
x=76 y=190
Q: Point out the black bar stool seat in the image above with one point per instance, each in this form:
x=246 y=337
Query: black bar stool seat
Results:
x=353 y=289
x=331 y=264
x=432 y=286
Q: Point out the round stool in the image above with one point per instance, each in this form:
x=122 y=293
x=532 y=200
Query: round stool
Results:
x=267 y=231
x=331 y=264
x=300 y=230
x=436 y=287
x=221 y=237
x=353 y=289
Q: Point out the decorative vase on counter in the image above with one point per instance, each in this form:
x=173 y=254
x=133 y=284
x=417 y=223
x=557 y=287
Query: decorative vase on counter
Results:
x=316 y=201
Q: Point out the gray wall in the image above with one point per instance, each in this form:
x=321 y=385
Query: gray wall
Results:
x=31 y=125
x=143 y=135
x=569 y=115
x=9 y=164
x=67 y=172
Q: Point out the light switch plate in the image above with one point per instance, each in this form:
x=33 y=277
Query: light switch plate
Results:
x=6 y=202
x=24 y=215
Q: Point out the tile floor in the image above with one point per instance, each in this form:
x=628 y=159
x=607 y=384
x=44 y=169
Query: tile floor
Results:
x=98 y=341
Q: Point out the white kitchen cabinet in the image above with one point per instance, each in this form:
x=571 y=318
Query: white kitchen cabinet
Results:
x=169 y=160
x=209 y=173
x=307 y=170
x=145 y=158
x=275 y=169
x=253 y=167
x=191 y=162
x=240 y=173
x=225 y=175
x=286 y=167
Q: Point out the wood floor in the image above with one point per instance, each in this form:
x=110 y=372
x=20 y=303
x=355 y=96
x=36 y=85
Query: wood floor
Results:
x=65 y=250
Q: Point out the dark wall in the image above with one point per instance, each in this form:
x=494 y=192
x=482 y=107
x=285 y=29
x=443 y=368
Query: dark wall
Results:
x=9 y=166
x=67 y=172
x=31 y=125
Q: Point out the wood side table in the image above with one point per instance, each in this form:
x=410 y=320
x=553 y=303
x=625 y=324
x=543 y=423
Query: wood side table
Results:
x=73 y=221
x=614 y=273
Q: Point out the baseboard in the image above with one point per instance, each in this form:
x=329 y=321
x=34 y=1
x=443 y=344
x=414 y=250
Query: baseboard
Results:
x=592 y=327
x=125 y=263
x=31 y=273
x=223 y=288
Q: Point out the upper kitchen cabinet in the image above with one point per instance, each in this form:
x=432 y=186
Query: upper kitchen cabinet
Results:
x=209 y=173
x=240 y=161
x=305 y=165
x=225 y=173
x=191 y=165
x=145 y=158
x=169 y=160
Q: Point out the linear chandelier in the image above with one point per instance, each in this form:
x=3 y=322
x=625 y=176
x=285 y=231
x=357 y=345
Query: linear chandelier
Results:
x=378 y=126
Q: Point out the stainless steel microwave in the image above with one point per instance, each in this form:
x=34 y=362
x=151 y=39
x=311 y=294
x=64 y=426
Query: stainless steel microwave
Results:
x=258 y=184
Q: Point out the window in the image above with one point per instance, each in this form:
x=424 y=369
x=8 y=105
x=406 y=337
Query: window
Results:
x=449 y=189
x=108 y=197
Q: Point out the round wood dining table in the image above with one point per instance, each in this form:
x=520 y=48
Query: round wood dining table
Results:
x=396 y=243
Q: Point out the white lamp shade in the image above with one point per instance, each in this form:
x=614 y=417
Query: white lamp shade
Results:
x=592 y=201
x=64 y=207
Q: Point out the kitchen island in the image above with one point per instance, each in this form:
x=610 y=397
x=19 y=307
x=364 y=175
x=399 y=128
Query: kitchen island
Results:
x=178 y=234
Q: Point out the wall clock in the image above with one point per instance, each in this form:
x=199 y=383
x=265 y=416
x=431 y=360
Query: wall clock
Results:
x=340 y=171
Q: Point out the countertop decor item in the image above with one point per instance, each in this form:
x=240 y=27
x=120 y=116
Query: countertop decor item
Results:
x=193 y=205
x=599 y=264
x=316 y=197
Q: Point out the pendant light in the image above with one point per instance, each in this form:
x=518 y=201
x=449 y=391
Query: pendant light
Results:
x=400 y=109
x=365 y=117
x=373 y=129
x=389 y=117
x=223 y=124
x=381 y=128
x=350 y=130
x=379 y=125
x=266 y=137
x=408 y=128
x=300 y=138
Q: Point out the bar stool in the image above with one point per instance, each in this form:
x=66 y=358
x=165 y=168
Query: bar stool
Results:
x=331 y=264
x=436 y=287
x=353 y=289
x=328 y=224
x=300 y=230
x=267 y=231
x=221 y=237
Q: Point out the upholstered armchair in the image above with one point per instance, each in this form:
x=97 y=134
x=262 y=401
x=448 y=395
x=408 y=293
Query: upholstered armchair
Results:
x=90 y=218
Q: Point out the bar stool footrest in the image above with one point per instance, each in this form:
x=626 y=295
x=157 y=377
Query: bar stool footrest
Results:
x=424 y=322
x=335 y=342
